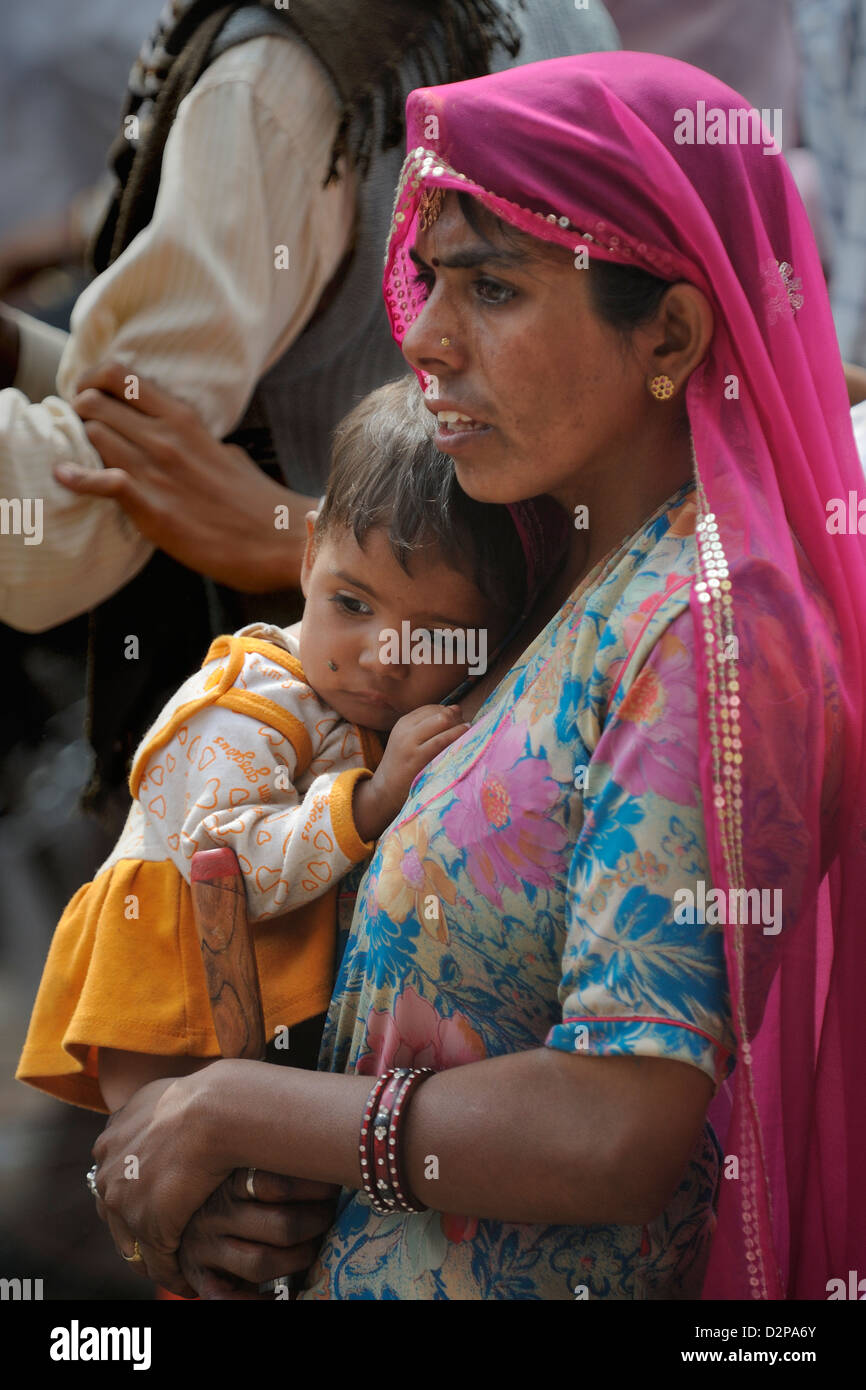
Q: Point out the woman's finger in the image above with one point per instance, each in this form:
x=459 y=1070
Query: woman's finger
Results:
x=275 y=1187
x=251 y=1263
x=124 y=1240
x=213 y=1285
x=153 y=1264
x=115 y=450
x=125 y=384
x=149 y=1264
x=283 y=1225
x=94 y=482
x=122 y=417
x=247 y=1242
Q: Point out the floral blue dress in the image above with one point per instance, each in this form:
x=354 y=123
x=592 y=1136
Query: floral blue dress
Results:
x=524 y=897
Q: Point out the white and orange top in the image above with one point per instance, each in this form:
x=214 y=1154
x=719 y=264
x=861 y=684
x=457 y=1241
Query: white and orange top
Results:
x=245 y=755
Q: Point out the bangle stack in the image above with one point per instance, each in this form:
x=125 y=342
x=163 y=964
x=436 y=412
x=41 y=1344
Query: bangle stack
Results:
x=382 y=1167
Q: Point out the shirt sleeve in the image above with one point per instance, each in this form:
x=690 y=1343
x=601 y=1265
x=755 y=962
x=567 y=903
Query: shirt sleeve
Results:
x=636 y=977
x=201 y=301
x=40 y=350
x=67 y=552
x=273 y=781
x=242 y=243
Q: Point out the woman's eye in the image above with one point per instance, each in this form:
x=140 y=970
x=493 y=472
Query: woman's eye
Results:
x=349 y=604
x=491 y=291
x=423 y=279
x=487 y=290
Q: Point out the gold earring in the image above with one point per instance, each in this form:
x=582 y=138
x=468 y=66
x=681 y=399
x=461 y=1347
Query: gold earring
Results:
x=446 y=342
x=662 y=387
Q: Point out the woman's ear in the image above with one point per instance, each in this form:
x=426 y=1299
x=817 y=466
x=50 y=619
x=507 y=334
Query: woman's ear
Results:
x=680 y=334
x=309 y=552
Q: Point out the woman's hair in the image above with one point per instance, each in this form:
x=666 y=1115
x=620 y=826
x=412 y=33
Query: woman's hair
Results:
x=387 y=473
x=623 y=296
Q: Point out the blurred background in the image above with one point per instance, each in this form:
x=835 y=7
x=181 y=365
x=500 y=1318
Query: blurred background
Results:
x=63 y=77
x=63 y=73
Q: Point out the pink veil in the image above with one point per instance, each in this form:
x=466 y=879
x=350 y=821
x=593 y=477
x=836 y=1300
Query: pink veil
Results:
x=582 y=151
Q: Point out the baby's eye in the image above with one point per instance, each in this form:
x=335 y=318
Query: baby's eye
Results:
x=348 y=603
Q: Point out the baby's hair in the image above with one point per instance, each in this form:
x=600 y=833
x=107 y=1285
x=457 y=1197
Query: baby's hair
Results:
x=387 y=473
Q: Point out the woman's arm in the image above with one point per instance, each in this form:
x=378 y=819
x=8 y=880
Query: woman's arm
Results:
x=855 y=380
x=539 y=1136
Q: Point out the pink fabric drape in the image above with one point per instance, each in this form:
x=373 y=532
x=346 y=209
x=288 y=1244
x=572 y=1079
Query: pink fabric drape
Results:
x=583 y=152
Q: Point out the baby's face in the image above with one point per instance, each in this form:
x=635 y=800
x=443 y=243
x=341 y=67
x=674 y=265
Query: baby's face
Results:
x=368 y=617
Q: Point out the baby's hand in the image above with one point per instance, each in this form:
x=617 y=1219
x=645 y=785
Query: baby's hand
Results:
x=414 y=741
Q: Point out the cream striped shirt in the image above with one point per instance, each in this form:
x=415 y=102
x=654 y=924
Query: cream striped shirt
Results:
x=196 y=302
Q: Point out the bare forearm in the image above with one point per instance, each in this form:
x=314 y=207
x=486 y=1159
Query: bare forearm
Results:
x=537 y=1137
x=271 y=560
x=121 y=1074
x=855 y=380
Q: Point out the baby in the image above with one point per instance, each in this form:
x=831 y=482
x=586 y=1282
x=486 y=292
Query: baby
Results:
x=273 y=748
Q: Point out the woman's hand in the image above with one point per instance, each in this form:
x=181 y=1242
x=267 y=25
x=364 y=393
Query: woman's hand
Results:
x=204 y=503
x=158 y=1160
x=234 y=1243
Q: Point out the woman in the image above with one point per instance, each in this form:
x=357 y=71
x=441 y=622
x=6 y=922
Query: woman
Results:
x=557 y=922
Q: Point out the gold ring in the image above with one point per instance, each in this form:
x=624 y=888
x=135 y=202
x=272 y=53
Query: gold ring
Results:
x=251 y=1178
x=446 y=342
x=136 y=1258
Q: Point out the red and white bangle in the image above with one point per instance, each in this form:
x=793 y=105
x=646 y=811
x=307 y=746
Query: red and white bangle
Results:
x=382 y=1169
x=396 y=1162
x=366 y=1146
x=378 y=1141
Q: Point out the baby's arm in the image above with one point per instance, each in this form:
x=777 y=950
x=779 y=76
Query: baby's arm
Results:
x=226 y=773
x=121 y=1074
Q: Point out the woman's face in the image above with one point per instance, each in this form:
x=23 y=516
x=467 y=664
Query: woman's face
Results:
x=558 y=395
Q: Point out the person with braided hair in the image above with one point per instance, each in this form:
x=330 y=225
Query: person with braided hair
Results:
x=240 y=268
